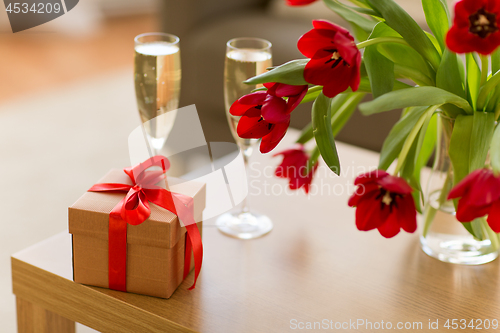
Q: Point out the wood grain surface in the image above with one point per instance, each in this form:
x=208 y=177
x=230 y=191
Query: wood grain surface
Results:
x=32 y=318
x=315 y=266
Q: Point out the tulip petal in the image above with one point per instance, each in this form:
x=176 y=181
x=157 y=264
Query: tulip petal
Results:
x=299 y=2
x=287 y=90
x=370 y=213
x=313 y=40
x=254 y=99
x=467 y=212
x=463 y=186
x=494 y=217
x=274 y=110
x=295 y=149
x=252 y=126
x=355 y=74
x=271 y=88
x=370 y=177
x=390 y=227
x=326 y=25
x=406 y=213
x=346 y=48
x=361 y=191
x=237 y=109
x=291 y=164
x=485 y=188
x=271 y=140
x=395 y=184
x=294 y=101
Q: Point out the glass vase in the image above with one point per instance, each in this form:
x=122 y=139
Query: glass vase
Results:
x=443 y=236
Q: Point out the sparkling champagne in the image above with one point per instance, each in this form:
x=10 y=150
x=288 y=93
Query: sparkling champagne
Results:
x=242 y=64
x=157 y=87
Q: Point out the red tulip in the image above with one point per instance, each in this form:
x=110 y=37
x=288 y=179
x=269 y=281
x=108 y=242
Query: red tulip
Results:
x=266 y=114
x=479 y=195
x=475 y=27
x=293 y=167
x=299 y=2
x=384 y=202
x=335 y=59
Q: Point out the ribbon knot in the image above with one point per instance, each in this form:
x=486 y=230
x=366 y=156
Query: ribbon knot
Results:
x=134 y=209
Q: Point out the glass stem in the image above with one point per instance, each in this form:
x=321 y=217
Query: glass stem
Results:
x=247 y=152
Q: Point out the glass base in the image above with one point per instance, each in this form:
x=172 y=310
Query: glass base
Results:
x=458 y=249
x=248 y=225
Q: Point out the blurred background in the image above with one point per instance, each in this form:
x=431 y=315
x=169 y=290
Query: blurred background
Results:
x=97 y=38
x=67 y=102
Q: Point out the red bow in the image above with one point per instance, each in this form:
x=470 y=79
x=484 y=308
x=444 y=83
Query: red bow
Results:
x=134 y=209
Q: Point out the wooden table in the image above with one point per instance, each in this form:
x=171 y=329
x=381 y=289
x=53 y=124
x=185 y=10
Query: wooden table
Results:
x=315 y=266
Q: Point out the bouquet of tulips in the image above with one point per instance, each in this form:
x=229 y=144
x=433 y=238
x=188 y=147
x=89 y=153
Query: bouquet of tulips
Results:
x=453 y=71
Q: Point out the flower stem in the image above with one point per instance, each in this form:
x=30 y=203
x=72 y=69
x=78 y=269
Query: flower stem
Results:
x=359 y=3
x=412 y=136
x=416 y=76
x=497 y=112
x=485 y=66
x=491 y=234
x=379 y=40
x=430 y=212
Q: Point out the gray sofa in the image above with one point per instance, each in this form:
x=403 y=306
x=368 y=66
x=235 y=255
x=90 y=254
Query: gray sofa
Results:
x=205 y=26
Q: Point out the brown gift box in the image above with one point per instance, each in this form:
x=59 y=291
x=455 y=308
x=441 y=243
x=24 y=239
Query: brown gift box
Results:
x=155 y=248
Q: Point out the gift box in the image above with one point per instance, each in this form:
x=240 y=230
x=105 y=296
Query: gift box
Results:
x=155 y=248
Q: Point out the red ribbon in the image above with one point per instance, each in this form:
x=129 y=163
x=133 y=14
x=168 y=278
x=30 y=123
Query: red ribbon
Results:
x=134 y=209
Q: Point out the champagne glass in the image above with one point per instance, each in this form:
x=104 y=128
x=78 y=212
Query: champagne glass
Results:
x=245 y=57
x=157 y=78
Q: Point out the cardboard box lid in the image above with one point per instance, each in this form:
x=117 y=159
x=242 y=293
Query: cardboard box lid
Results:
x=89 y=215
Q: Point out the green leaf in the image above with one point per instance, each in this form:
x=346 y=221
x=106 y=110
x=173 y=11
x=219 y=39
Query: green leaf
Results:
x=306 y=135
x=406 y=56
x=460 y=156
x=397 y=136
x=342 y=108
x=343 y=114
x=460 y=146
x=350 y=16
x=311 y=161
x=359 y=33
x=322 y=130
x=402 y=55
x=485 y=90
x=473 y=78
x=495 y=61
x=380 y=71
x=494 y=100
x=290 y=73
x=419 y=96
x=434 y=42
x=405 y=25
x=428 y=144
x=312 y=93
x=448 y=75
x=362 y=7
x=412 y=168
x=495 y=151
x=413 y=74
x=438 y=18
x=482 y=132
x=365 y=87
x=408 y=146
